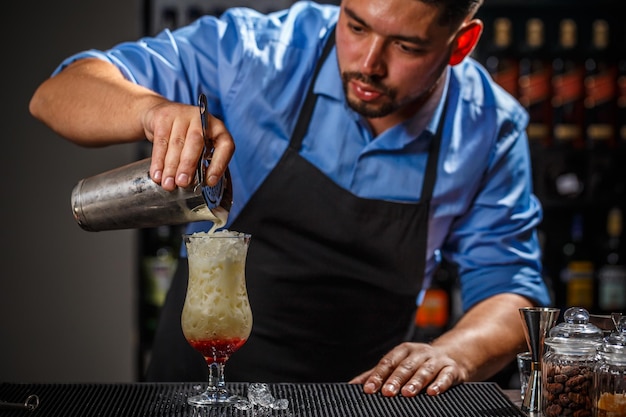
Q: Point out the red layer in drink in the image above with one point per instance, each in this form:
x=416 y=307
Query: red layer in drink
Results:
x=217 y=350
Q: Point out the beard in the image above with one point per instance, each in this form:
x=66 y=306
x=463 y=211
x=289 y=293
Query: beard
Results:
x=370 y=110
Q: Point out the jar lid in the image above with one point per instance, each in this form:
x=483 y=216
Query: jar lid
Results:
x=575 y=330
x=616 y=341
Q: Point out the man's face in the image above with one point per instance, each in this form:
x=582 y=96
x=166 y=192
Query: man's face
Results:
x=391 y=54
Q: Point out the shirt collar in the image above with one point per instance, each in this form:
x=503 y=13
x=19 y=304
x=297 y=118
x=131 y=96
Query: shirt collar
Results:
x=427 y=119
x=328 y=81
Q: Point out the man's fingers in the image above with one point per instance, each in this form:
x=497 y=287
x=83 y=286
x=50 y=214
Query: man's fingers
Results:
x=445 y=380
x=408 y=369
x=160 y=140
x=224 y=148
x=175 y=146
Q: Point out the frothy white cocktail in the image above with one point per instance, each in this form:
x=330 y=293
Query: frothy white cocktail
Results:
x=216 y=318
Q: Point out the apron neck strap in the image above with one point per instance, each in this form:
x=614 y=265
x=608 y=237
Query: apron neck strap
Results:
x=309 y=103
x=433 y=158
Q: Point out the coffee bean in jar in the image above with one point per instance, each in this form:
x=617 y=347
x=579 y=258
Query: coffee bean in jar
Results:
x=568 y=366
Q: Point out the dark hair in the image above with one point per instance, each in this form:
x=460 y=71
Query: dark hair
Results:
x=455 y=11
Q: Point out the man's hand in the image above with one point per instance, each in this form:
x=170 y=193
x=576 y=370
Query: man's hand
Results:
x=409 y=368
x=483 y=342
x=175 y=131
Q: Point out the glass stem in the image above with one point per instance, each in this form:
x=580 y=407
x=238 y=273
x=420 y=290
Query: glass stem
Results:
x=216 y=376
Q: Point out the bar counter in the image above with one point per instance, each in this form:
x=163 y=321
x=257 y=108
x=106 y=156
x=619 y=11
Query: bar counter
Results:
x=305 y=400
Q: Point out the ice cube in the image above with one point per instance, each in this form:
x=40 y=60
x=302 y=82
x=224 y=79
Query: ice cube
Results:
x=259 y=394
x=280 y=404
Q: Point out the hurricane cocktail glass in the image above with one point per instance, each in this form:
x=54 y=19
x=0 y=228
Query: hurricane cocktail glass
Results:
x=216 y=318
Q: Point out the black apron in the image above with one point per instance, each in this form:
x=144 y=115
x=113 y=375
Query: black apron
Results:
x=332 y=278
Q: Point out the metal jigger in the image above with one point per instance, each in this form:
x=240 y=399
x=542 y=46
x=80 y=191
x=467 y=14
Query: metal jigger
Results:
x=537 y=322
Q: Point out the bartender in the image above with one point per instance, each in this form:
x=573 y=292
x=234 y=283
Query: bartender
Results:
x=368 y=142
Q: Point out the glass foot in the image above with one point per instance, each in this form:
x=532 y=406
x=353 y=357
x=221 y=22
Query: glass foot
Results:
x=217 y=397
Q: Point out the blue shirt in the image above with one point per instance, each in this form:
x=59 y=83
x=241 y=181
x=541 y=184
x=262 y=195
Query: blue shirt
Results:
x=254 y=69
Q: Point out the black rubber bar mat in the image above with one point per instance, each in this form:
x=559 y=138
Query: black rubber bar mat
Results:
x=484 y=399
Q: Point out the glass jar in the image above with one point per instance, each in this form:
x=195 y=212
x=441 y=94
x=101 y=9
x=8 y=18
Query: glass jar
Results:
x=567 y=367
x=609 y=379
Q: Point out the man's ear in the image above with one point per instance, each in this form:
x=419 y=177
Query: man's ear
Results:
x=465 y=41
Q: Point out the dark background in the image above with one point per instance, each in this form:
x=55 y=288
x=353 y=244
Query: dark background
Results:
x=66 y=296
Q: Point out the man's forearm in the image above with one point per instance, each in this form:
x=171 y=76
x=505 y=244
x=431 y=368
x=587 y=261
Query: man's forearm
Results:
x=487 y=337
x=92 y=104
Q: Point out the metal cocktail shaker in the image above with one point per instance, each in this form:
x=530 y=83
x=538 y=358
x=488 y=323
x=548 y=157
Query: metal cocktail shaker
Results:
x=127 y=198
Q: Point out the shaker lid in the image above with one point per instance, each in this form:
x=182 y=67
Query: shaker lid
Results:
x=575 y=329
x=616 y=341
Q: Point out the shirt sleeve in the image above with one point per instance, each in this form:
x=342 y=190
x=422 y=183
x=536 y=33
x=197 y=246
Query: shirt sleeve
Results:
x=180 y=64
x=495 y=243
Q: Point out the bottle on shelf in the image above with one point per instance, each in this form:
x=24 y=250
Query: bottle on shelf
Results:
x=534 y=85
x=600 y=88
x=568 y=88
x=611 y=270
x=501 y=58
x=577 y=274
x=601 y=114
x=621 y=96
x=160 y=264
x=159 y=259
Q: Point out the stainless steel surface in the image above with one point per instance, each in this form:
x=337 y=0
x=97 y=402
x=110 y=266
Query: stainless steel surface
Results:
x=127 y=198
x=31 y=404
x=220 y=194
x=537 y=322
